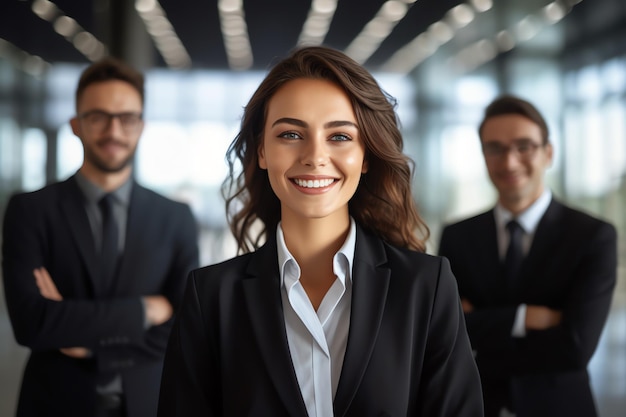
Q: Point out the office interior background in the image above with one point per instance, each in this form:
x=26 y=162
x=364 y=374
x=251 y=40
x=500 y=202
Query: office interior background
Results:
x=443 y=60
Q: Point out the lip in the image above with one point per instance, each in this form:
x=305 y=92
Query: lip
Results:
x=315 y=184
x=111 y=146
x=510 y=178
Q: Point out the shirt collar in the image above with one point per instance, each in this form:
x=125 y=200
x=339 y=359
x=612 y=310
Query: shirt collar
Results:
x=93 y=193
x=529 y=218
x=344 y=255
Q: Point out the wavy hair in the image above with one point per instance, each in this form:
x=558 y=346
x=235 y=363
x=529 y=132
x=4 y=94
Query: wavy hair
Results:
x=383 y=202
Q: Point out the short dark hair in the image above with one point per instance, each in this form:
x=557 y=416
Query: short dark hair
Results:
x=108 y=69
x=509 y=104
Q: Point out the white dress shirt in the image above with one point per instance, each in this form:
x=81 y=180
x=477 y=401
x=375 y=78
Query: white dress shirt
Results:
x=317 y=339
x=528 y=220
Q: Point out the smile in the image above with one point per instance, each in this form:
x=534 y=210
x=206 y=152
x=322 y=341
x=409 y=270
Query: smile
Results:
x=314 y=183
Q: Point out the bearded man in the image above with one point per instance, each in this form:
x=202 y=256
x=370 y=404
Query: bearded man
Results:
x=94 y=266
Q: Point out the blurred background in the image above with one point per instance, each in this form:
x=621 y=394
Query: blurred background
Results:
x=443 y=60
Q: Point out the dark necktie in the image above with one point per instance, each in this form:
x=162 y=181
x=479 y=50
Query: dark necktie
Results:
x=514 y=254
x=109 y=252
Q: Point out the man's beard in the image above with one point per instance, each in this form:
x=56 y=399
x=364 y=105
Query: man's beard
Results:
x=108 y=167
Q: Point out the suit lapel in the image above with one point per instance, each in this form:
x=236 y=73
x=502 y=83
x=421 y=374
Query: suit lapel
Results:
x=545 y=239
x=369 y=294
x=262 y=292
x=491 y=260
x=72 y=207
x=480 y=269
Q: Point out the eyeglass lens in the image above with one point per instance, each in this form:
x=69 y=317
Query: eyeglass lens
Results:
x=522 y=148
x=101 y=120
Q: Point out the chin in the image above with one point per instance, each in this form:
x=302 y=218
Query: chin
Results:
x=112 y=166
x=511 y=187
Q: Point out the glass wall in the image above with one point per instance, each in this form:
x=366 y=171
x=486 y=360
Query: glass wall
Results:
x=192 y=117
x=585 y=107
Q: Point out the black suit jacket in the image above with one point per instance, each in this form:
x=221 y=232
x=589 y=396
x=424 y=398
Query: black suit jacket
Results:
x=571 y=266
x=50 y=228
x=407 y=354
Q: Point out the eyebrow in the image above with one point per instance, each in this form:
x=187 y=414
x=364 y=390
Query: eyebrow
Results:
x=520 y=139
x=301 y=123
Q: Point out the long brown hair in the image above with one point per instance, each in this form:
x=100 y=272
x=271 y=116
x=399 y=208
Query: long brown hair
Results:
x=382 y=203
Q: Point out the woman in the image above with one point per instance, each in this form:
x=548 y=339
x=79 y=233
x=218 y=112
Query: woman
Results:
x=339 y=312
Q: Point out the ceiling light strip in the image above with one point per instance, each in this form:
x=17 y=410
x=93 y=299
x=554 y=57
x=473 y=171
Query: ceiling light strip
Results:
x=407 y=58
x=317 y=22
x=439 y=33
x=235 y=34
x=85 y=42
x=376 y=30
x=30 y=64
x=163 y=34
x=484 y=50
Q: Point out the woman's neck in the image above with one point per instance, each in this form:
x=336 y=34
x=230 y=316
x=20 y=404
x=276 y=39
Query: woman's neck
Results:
x=314 y=243
x=314 y=240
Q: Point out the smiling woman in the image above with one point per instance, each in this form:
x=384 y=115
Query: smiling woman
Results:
x=315 y=152
x=339 y=312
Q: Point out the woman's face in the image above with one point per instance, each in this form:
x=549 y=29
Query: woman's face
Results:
x=312 y=149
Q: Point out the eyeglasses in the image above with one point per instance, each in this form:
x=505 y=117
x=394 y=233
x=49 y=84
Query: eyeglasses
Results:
x=523 y=149
x=99 y=120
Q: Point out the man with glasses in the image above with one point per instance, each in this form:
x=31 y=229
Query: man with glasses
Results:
x=535 y=277
x=95 y=265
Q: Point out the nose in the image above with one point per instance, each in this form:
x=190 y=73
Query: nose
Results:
x=314 y=152
x=115 y=127
x=511 y=158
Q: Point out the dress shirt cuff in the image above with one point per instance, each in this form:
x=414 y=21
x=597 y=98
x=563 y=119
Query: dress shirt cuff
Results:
x=519 y=325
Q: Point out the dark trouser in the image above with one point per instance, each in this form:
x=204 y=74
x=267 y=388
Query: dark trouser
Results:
x=110 y=405
x=496 y=395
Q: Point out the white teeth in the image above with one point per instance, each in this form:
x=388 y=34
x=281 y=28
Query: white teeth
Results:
x=314 y=183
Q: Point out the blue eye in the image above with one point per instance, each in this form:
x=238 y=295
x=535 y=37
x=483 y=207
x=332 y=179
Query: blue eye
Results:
x=290 y=135
x=340 y=137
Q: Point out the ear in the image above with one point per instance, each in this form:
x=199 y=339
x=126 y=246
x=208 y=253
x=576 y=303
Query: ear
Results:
x=261 y=156
x=143 y=124
x=549 y=153
x=75 y=124
x=365 y=167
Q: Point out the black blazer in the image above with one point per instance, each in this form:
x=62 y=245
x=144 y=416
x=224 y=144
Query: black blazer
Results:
x=571 y=266
x=407 y=354
x=49 y=228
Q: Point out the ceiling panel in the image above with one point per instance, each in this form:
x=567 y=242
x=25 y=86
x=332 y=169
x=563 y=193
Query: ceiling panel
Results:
x=273 y=26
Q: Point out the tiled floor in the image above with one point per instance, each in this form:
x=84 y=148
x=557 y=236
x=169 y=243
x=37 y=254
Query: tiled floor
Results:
x=608 y=366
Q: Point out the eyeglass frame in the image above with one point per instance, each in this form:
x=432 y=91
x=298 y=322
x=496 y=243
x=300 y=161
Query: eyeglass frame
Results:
x=136 y=123
x=499 y=151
